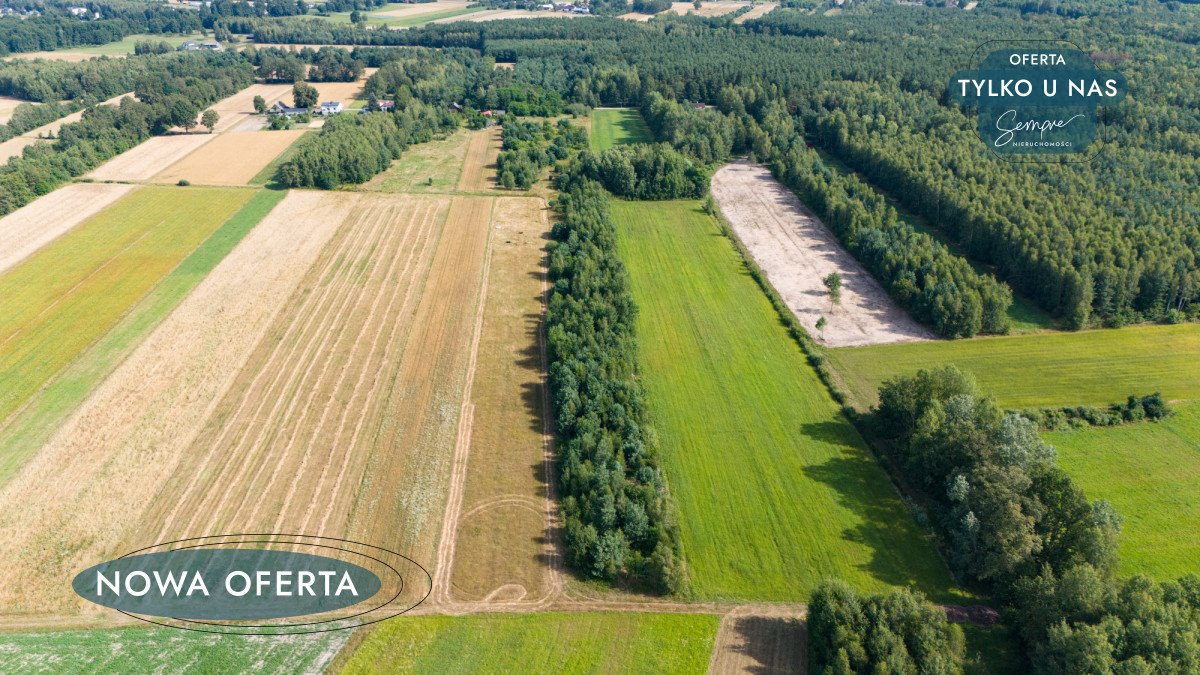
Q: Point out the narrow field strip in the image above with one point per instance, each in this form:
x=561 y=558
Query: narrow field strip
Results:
x=595 y=642
x=149 y=157
x=479 y=168
x=29 y=428
x=43 y=220
x=213 y=164
x=81 y=498
x=1095 y=367
x=776 y=490
x=61 y=299
x=502 y=530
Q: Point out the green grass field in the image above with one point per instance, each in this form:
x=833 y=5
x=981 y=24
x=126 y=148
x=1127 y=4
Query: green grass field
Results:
x=1050 y=369
x=776 y=490
x=425 y=167
x=27 y=430
x=629 y=642
x=61 y=299
x=1151 y=474
x=617 y=126
x=167 y=650
x=126 y=45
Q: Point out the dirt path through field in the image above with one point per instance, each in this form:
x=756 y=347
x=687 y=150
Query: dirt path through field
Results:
x=479 y=169
x=797 y=251
x=77 y=501
x=43 y=220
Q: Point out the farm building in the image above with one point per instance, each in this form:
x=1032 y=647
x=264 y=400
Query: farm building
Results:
x=287 y=111
x=330 y=108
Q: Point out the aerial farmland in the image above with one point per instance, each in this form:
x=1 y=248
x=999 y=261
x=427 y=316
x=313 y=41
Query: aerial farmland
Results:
x=673 y=338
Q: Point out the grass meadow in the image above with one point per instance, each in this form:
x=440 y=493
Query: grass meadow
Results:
x=617 y=126
x=25 y=432
x=776 y=490
x=1151 y=474
x=626 y=642
x=1095 y=367
x=167 y=650
x=61 y=299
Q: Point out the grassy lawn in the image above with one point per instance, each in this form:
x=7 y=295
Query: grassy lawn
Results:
x=631 y=642
x=776 y=490
x=26 y=431
x=426 y=167
x=60 y=300
x=1151 y=474
x=131 y=650
x=618 y=126
x=1096 y=367
x=125 y=46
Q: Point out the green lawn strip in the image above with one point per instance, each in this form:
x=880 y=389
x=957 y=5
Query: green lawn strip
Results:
x=618 y=126
x=1150 y=472
x=776 y=490
x=1023 y=314
x=126 y=45
x=133 y=650
x=267 y=175
x=57 y=302
x=595 y=642
x=26 y=431
x=1095 y=367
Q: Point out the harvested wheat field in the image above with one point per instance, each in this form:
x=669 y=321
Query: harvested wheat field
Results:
x=148 y=158
x=231 y=159
x=46 y=218
x=796 y=251
x=479 y=169
x=236 y=109
x=707 y=9
x=346 y=92
x=761 y=640
x=89 y=486
x=342 y=421
x=759 y=10
x=500 y=544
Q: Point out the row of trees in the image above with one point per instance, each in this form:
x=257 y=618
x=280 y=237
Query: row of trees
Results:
x=327 y=64
x=618 y=517
x=531 y=146
x=1011 y=519
x=173 y=90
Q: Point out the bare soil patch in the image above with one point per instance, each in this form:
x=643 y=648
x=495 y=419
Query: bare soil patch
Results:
x=796 y=251
x=150 y=157
x=501 y=549
x=760 y=640
x=759 y=10
x=78 y=500
x=43 y=220
x=479 y=168
x=230 y=159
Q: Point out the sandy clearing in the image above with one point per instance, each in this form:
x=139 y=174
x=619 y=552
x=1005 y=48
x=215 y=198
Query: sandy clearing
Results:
x=479 y=168
x=231 y=159
x=75 y=503
x=760 y=640
x=149 y=157
x=422 y=8
x=707 y=9
x=797 y=251
x=758 y=11
x=46 y=218
x=500 y=531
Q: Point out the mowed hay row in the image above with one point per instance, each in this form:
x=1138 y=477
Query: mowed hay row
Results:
x=776 y=490
x=797 y=252
x=231 y=159
x=60 y=299
x=149 y=157
x=502 y=526
x=479 y=169
x=77 y=501
x=46 y=218
x=276 y=447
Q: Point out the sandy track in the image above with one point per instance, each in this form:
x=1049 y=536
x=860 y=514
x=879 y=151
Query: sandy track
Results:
x=149 y=157
x=214 y=163
x=43 y=220
x=797 y=251
x=78 y=500
x=479 y=168
x=758 y=11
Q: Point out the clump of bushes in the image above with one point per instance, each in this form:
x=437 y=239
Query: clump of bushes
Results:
x=644 y=171
x=1135 y=409
x=530 y=146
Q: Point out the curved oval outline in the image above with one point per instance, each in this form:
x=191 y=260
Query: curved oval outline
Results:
x=285 y=626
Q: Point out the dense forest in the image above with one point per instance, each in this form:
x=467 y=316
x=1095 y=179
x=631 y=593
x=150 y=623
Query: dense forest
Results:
x=53 y=27
x=1093 y=247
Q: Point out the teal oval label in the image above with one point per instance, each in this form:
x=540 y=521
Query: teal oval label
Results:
x=227 y=584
